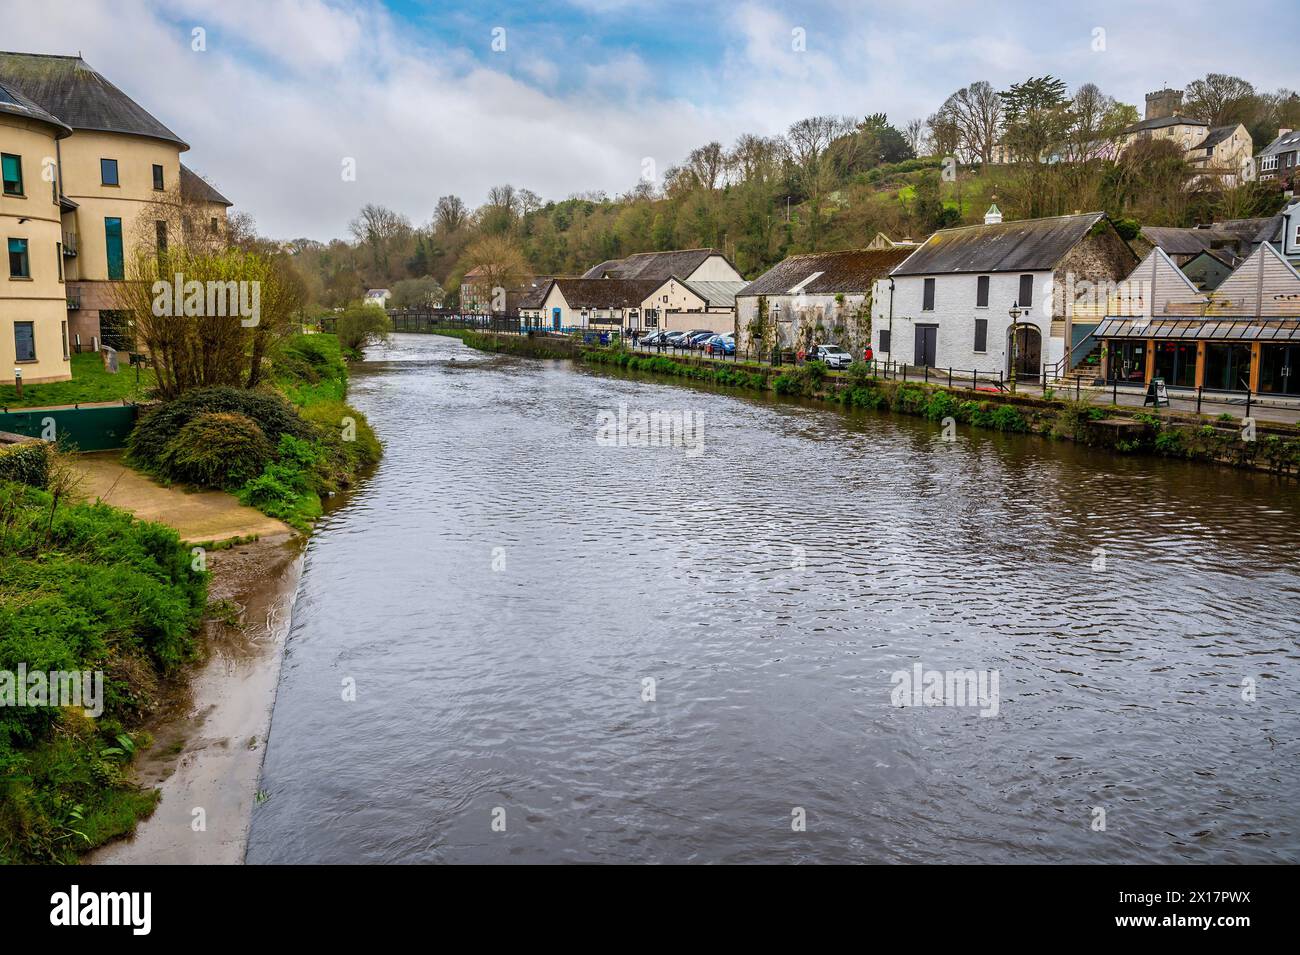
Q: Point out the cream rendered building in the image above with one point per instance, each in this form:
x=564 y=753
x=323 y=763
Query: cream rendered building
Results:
x=33 y=309
x=116 y=170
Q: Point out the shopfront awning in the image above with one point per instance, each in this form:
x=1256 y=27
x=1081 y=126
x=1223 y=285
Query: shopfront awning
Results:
x=1201 y=329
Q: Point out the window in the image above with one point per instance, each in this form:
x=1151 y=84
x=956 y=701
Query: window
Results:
x=108 y=172
x=157 y=177
x=24 y=341
x=212 y=225
x=982 y=292
x=1026 y=299
x=981 y=334
x=113 y=245
x=58 y=255
x=19 y=266
x=927 y=296
x=65 y=341
x=160 y=232
x=12 y=170
x=884 y=340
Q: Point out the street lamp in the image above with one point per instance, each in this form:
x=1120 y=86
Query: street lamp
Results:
x=1015 y=312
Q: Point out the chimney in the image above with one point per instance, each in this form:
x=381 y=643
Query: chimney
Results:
x=993 y=216
x=1284 y=132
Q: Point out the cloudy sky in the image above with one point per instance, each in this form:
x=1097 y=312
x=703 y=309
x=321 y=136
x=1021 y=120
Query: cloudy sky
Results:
x=430 y=98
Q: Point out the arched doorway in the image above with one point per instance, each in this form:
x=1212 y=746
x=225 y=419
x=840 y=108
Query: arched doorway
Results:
x=1025 y=352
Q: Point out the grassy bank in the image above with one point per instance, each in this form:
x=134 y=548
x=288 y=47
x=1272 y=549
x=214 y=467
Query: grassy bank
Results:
x=83 y=587
x=90 y=383
x=282 y=448
x=1276 y=448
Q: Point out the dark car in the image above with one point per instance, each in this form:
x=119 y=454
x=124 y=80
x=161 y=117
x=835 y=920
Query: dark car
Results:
x=656 y=338
x=697 y=338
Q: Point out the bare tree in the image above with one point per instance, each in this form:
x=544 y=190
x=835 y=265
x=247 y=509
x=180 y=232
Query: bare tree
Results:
x=977 y=112
x=450 y=214
x=707 y=163
x=809 y=140
x=915 y=135
x=1221 y=100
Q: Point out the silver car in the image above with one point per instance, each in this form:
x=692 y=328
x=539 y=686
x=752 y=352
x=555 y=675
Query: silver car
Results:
x=832 y=356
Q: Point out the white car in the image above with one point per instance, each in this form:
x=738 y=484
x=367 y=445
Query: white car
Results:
x=832 y=356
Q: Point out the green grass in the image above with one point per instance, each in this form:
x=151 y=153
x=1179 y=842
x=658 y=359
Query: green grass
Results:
x=90 y=383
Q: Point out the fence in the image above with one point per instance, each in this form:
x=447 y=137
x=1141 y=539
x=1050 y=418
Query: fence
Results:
x=82 y=429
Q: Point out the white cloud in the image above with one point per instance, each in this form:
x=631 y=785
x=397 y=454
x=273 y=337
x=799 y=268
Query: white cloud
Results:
x=288 y=88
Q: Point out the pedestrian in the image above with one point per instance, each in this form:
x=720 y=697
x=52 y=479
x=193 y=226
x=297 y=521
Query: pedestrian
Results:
x=867 y=353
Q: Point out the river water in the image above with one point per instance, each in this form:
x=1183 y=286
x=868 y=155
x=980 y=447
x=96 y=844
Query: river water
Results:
x=504 y=588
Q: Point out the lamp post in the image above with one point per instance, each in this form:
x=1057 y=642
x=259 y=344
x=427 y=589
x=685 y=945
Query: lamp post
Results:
x=1015 y=312
x=891 y=319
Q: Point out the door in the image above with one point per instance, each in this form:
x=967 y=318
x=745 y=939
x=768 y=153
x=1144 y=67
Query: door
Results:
x=1279 y=371
x=555 y=319
x=927 y=337
x=1027 y=352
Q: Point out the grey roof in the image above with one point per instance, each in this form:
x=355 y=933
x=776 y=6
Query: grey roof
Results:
x=652 y=265
x=717 y=294
x=1164 y=121
x=1271 y=230
x=1023 y=245
x=853 y=270
x=606 y=293
x=194 y=186
x=67 y=87
x=16 y=104
x=1215 y=136
x=1287 y=142
x=605 y=268
x=1177 y=241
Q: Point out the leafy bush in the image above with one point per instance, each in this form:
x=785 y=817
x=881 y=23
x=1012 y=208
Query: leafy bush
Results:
x=1007 y=418
x=153 y=433
x=311 y=368
x=287 y=488
x=909 y=399
x=216 y=449
x=941 y=405
x=359 y=326
x=27 y=463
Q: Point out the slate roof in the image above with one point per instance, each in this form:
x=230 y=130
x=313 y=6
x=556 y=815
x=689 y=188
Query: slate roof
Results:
x=1283 y=144
x=16 y=104
x=1022 y=245
x=606 y=293
x=1177 y=241
x=535 y=293
x=194 y=186
x=853 y=270
x=652 y=265
x=67 y=87
x=1215 y=136
x=1164 y=121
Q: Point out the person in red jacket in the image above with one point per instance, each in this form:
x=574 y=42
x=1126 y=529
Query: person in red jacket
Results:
x=867 y=353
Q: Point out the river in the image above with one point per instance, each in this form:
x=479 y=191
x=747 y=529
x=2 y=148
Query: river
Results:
x=505 y=587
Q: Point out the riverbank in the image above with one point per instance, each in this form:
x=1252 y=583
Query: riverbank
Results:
x=1265 y=446
x=193 y=582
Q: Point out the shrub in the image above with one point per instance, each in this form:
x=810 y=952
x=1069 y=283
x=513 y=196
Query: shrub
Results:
x=287 y=488
x=216 y=449
x=941 y=405
x=27 y=463
x=909 y=399
x=154 y=431
x=359 y=326
x=1007 y=418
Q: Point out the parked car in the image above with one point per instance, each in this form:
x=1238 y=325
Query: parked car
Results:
x=697 y=338
x=720 y=345
x=676 y=339
x=832 y=356
x=656 y=338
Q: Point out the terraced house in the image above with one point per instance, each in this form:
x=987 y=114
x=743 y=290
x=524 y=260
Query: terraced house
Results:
x=76 y=145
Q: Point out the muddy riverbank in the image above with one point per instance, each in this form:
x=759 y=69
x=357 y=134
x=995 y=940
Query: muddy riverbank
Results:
x=209 y=737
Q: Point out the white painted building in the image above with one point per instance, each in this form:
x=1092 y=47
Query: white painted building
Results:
x=816 y=298
x=952 y=299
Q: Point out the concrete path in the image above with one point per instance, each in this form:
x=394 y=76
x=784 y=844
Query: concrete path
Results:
x=199 y=516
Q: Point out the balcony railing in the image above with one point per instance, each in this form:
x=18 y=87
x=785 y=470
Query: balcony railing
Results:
x=74 y=299
x=69 y=243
